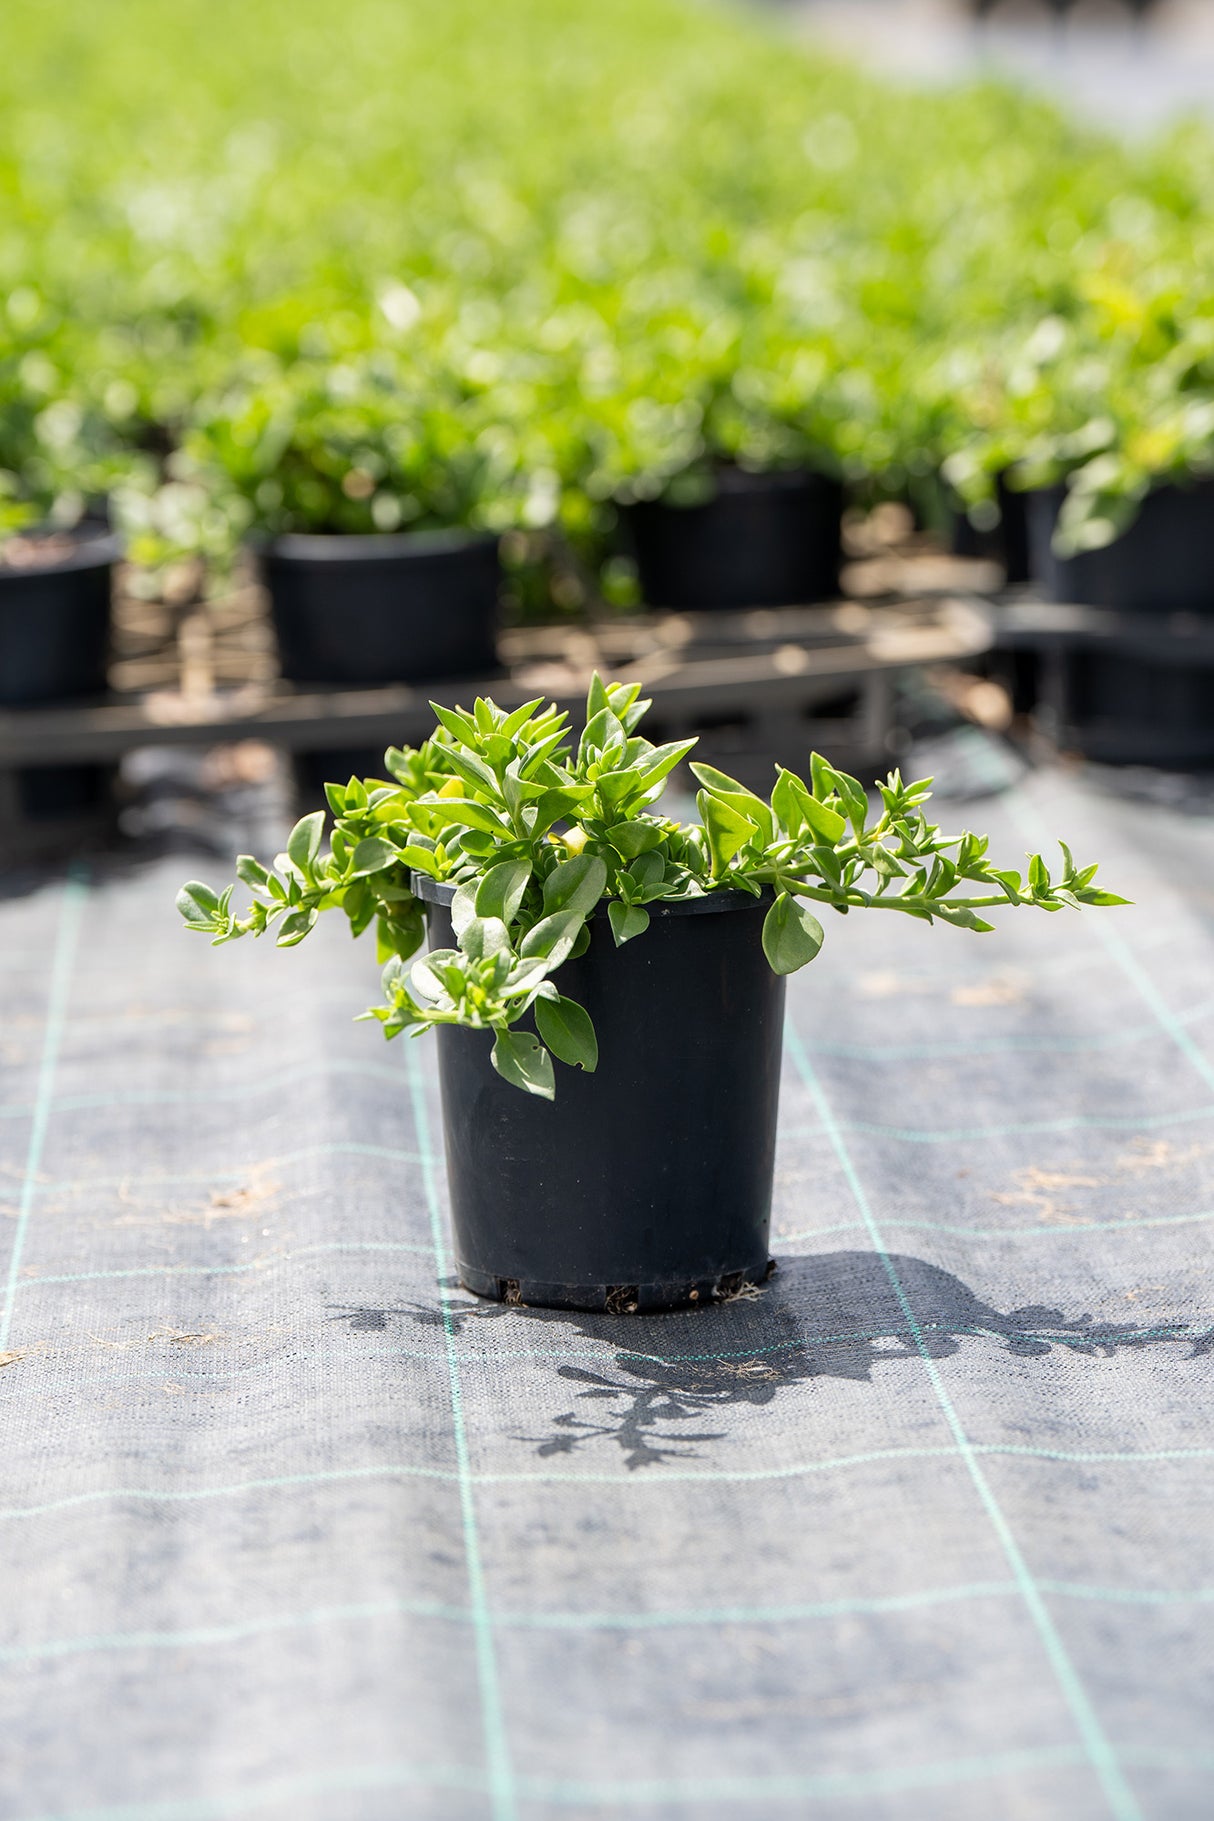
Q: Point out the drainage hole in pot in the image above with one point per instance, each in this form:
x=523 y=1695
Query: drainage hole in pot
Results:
x=622 y=1299
x=509 y=1292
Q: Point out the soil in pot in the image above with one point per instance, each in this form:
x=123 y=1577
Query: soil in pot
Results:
x=762 y=540
x=1164 y=562
x=387 y=608
x=646 y=1185
x=55 y=591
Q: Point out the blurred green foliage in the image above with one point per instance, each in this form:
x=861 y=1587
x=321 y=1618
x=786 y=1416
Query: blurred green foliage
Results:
x=270 y=264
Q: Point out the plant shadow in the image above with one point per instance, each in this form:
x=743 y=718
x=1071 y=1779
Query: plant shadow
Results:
x=833 y=1315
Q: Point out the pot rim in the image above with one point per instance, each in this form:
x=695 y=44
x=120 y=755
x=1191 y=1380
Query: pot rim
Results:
x=93 y=550
x=733 y=482
x=442 y=891
x=369 y=546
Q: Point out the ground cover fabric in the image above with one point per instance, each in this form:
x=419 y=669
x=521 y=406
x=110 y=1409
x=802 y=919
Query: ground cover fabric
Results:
x=921 y=1528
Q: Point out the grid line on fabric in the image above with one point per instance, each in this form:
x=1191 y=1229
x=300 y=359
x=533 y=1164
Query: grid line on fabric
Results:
x=1027 y=1128
x=714 y=1791
x=327 y=1067
x=723 y=1476
x=501 y=1779
x=1118 y=1793
x=869 y=1606
x=272 y=1261
x=1026 y=819
x=338 y=1147
x=605 y=1353
x=1079 y=1122
x=265 y=1263
x=71 y=909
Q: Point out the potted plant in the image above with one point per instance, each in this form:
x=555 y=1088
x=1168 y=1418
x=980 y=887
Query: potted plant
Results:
x=373 y=508
x=57 y=557
x=720 y=433
x=570 y=918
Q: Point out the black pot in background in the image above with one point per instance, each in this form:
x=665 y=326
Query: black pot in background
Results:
x=54 y=643
x=1164 y=562
x=385 y=608
x=763 y=540
x=1121 y=707
x=1007 y=543
x=313 y=770
x=646 y=1185
x=55 y=624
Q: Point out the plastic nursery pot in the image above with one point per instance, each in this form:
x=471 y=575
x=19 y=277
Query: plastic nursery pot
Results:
x=384 y=608
x=313 y=770
x=54 y=641
x=646 y=1185
x=1164 y=562
x=763 y=540
x=1006 y=543
x=55 y=620
x=1124 y=708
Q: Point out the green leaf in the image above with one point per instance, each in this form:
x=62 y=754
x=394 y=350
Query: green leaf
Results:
x=797 y=809
x=371 y=856
x=521 y=1059
x=519 y=718
x=460 y=726
x=472 y=770
x=851 y=793
x=560 y=805
x=599 y=732
x=659 y=763
x=632 y=838
x=552 y=937
x=483 y=937
x=648 y=871
x=575 y=884
x=425 y=975
x=727 y=830
x=463 y=908
x=1091 y=895
x=596 y=697
x=960 y=916
x=792 y=935
x=627 y=921
x=501 y=891
x=464 y=813
x=421 y=859
x=295 y=927
x=197 y=902
x=566 y=1028
x=303 y=842
x=728 y=790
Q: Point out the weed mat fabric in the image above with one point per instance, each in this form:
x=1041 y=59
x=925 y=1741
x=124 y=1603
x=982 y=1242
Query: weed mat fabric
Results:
x=921 y=1527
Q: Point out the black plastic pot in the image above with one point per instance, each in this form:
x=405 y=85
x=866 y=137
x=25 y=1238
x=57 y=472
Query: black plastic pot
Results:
x=646 y=1185
x=1006 y=543
x=1123 y=707
x=55 y=624
x=313 y=770
x=54 y=642
x=763 y=540
x=390 y=608
x=1164 y=562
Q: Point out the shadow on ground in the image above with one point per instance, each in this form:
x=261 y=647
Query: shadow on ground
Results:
x=834 y=1315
